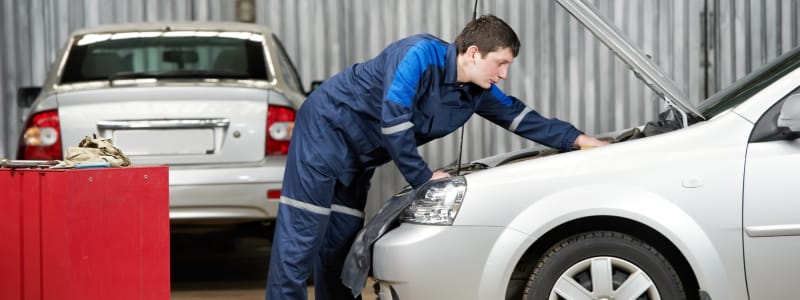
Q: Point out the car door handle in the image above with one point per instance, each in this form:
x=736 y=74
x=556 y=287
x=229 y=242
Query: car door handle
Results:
x=773 y=230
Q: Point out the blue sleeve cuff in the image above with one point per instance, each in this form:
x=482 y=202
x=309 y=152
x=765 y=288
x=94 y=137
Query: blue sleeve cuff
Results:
x=421 y=179
x=568 y=144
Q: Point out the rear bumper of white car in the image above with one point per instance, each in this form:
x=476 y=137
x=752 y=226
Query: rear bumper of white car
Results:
x=432 y=262
x=224 y=194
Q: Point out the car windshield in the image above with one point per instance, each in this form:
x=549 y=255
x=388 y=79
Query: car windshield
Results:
x=172 y=54
x=747 y=86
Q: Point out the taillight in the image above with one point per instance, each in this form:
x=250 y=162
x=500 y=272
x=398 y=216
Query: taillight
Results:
x=280 y=122
x=41 y=138
x=273 y=194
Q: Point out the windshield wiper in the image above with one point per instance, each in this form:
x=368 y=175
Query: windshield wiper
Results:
x=130 y=75
x=201 y=74
x=179 y=74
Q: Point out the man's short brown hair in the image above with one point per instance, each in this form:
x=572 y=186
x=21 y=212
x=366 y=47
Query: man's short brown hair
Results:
x=488 y=33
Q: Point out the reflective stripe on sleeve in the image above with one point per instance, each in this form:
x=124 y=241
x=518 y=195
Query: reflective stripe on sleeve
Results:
x=305 y=206
x=518 y=119
x=397 y=128
x=348 y=211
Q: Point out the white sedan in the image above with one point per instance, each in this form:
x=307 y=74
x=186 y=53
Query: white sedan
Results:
x=701 y=204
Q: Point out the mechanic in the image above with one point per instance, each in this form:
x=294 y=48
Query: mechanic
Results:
x=417 y=89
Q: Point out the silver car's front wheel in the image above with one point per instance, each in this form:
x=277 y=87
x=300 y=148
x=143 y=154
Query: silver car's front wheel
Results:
x=604 y=277
x=603 y=265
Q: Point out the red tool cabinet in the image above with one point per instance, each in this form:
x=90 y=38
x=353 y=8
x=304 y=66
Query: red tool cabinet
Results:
x=84 y=234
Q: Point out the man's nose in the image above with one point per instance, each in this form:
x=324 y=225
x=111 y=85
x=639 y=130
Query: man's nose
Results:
x=503 y=72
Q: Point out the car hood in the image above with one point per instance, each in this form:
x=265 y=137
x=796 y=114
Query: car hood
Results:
x=533 y=152
x=644 y=68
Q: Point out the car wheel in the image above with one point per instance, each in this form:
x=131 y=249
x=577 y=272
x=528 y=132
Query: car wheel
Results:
x=603 y=265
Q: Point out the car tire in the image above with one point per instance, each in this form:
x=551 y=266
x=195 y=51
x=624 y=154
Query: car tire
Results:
x=620 y=265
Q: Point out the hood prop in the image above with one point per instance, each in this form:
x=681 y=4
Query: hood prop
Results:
x=461 y=140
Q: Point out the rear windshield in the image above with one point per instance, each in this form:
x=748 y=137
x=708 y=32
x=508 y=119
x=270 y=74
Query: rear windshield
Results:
x=166 y=55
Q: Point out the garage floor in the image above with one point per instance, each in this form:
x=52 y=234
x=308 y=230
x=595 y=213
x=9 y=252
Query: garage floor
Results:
x=217 y=267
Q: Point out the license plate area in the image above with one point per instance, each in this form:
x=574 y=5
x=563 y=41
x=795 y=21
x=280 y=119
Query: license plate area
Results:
x=135 y=142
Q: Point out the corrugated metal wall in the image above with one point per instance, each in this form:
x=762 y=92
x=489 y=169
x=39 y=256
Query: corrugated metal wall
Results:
x=562 y=71
x=747 y=34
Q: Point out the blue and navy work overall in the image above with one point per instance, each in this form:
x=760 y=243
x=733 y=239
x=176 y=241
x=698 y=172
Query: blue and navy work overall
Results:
x=365 y=116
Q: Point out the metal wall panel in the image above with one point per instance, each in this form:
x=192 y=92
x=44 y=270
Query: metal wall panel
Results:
x=747 y=34
x=562 y=70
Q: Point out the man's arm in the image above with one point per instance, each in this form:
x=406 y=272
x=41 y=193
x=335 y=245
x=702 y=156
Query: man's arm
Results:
x=396 y=116
x=512 y=114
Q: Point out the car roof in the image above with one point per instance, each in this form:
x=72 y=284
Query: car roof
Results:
x=174 y=26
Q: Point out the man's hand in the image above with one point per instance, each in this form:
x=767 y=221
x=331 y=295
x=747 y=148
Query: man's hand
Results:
x=584 y=141
x=439 y=174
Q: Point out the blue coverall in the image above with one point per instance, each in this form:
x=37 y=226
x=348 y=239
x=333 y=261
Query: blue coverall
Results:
x=365 y=116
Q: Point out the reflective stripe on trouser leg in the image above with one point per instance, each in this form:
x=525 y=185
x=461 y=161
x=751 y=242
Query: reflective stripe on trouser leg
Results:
x=299 y=233
x=342 y=230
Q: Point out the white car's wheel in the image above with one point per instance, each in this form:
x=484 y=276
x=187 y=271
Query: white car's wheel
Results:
x=603 y=265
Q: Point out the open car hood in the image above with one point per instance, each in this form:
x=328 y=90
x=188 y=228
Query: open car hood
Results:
x=643 y=67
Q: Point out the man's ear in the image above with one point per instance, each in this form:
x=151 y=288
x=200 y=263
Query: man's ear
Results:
x=473 y=52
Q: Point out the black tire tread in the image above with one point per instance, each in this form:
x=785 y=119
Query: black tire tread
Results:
x=600 y=235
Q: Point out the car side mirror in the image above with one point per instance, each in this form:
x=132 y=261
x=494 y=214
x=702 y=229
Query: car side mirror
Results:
x=790 y=114
x=26 y=95
x=314 y=85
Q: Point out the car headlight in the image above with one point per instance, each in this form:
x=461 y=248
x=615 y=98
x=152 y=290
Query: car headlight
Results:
x=437 y=202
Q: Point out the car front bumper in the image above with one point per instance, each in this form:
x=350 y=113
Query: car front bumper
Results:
x=445 y=262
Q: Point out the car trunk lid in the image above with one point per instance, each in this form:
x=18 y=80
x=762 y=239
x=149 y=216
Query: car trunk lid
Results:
x=174 y=125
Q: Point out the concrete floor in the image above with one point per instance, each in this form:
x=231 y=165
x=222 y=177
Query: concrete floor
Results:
x=217 y=267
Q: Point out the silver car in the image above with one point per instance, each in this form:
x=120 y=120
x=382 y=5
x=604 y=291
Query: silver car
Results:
x=700 y=204
x=214 y=101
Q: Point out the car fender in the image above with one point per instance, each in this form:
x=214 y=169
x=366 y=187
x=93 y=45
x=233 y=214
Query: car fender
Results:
x=638 y=205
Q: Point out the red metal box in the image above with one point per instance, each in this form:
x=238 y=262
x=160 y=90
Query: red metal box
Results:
x=84 y=234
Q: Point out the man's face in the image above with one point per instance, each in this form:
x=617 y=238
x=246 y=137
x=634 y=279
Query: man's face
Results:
x=492 y=68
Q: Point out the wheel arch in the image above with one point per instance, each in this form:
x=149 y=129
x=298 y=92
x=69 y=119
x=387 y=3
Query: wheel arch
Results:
x=641 y=231
x=529 y=216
